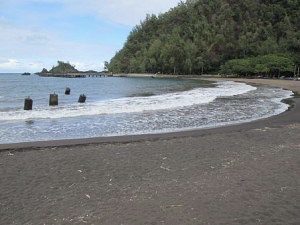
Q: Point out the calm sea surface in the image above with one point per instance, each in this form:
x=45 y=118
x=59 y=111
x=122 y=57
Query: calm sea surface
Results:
x=122 y=106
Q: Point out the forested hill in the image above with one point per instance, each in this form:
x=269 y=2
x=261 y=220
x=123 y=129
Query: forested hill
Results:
x=198 y=36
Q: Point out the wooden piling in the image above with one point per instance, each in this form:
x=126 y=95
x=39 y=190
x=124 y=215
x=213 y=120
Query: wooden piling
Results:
x=53 y=100
x=28 y=104
x=82 y=98
x=67 y=91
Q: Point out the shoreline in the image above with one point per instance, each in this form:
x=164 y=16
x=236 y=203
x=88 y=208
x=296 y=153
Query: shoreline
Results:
x=291 y=85
x=285 y=84
x=123 y=139
x=159 y=135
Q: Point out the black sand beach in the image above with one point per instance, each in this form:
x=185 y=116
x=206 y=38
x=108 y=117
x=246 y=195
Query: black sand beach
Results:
x=242 y=174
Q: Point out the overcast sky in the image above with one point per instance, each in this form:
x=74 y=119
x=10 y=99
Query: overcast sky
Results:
x=36 y=33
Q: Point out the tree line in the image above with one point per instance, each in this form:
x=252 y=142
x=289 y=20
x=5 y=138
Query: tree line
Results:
x=272 y=65
x=204 y=36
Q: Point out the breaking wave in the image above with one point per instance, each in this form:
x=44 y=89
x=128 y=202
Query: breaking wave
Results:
x=133 y=104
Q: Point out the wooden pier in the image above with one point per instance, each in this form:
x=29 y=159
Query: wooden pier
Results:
x=72 y=75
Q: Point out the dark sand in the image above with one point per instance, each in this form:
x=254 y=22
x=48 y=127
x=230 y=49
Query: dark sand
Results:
x=242 y=174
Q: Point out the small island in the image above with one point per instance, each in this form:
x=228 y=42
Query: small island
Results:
x=26 y=74
x=66 y=70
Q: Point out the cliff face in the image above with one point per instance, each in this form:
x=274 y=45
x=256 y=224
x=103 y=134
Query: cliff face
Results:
x=200 y=35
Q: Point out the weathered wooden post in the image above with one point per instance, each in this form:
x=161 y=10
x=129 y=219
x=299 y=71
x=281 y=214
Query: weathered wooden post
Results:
x=28 y=103
x=82 y=98
x=53 y=100
x=67 y=91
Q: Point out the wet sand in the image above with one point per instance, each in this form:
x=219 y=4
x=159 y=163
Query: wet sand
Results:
x=242 y=174
x=286 y=84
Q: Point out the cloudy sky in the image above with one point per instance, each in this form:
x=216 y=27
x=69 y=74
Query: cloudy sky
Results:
x=36 y=33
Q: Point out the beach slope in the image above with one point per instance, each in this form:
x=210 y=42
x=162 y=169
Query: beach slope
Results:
x=242 y=174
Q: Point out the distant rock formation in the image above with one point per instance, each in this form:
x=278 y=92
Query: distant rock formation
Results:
x=44 y=70
x=63 y=68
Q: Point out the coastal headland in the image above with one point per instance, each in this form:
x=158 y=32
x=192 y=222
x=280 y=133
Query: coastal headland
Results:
x=241 y=174
x=66 y=70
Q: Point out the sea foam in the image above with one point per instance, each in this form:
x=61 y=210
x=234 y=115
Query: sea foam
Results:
x=133 y=104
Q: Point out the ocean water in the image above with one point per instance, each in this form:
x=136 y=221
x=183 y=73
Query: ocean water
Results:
x=124 y=106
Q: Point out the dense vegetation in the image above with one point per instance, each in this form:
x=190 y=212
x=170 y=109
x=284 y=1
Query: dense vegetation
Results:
x=266 y=66
x=198 y=36
x=63 y=67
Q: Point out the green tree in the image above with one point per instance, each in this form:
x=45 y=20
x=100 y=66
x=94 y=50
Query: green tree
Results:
x=269 y=65
x=198 y=36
